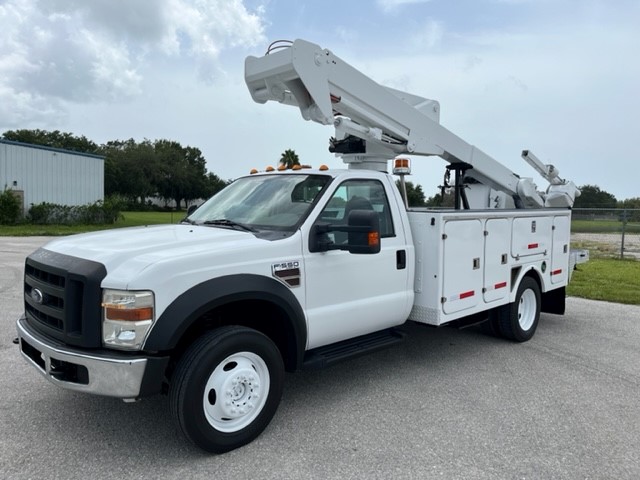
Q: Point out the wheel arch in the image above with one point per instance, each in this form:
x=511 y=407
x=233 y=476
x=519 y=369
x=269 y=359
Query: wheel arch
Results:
x=254 y=301
x=519 y=273
x=553 y=300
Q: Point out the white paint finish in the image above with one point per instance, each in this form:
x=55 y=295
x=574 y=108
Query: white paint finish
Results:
x=350 y=295
x=560 y=250
x=433 y=264
x=531 y=236
x=496 y=246
x=463 y=258
x=171 y=259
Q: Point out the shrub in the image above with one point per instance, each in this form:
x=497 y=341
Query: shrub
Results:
x=10 y=208
x=111 y=208
x=93 y=214
x=49 y=213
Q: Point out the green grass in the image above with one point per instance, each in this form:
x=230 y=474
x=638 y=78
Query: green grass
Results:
x=130 y=219
x=607 y=279
x=134 y=219
x=603 y=226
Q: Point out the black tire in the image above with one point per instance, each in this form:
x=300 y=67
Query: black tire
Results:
x=491 y=326
x=226 y=388
x=518 y=320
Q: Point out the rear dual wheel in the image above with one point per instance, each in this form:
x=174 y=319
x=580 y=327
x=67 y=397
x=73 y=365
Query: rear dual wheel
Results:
x=518 y=321
x=226 y=388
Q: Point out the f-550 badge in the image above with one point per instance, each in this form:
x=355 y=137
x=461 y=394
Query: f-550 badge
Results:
x=288 y=272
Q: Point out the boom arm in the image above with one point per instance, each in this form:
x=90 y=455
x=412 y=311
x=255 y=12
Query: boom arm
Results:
x=388 y=122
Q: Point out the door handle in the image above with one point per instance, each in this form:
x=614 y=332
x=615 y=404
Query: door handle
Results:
x=401 y=259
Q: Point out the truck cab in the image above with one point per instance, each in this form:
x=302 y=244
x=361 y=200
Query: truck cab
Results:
x=276 y=253
x=299 y=213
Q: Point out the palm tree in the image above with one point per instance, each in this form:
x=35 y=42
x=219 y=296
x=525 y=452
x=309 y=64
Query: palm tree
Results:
x=289 y=158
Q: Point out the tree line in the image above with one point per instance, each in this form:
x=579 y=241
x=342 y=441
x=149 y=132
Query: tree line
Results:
x=165 y=169
x=138 y=171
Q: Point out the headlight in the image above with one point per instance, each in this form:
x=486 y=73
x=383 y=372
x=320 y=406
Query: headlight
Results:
x=127 y=318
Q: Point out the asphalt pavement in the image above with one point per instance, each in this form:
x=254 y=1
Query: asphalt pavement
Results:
x=444 y=404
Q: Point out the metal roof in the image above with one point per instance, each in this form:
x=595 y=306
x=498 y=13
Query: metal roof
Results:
x=52 y=149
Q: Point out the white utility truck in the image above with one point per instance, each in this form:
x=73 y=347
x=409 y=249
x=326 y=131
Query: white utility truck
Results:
x=294 y=269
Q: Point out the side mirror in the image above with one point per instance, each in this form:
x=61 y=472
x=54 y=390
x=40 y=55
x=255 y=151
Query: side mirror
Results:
x=363 y=233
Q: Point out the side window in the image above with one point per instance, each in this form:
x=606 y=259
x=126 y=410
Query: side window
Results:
x=359 y=195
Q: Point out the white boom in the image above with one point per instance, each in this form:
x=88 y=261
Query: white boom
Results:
x=375 y=123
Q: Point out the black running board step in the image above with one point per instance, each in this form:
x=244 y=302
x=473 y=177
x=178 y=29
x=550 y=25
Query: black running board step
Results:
x=325 y=356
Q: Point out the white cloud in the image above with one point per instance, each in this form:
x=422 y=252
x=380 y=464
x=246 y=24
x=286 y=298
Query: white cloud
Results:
x=112 y=70
x=430 y=36
x=202 y=29
x=57 y=51
x=23 y=109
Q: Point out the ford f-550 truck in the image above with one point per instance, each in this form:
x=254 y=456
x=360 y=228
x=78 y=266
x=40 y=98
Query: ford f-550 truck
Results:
x=291 y=269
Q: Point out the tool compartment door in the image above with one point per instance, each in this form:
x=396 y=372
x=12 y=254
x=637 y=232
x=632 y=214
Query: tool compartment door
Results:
x=462 y=269
x=531 y=236
x=560 y=249
x=496 y=262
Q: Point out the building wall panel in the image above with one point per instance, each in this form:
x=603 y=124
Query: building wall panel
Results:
x=51 y=175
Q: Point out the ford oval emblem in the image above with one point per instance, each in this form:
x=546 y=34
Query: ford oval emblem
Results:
x=37 y=296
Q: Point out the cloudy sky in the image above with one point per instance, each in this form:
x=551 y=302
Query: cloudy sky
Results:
x=559 y=77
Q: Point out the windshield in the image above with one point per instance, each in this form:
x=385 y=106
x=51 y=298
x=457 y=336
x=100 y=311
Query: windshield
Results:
x=276 y=202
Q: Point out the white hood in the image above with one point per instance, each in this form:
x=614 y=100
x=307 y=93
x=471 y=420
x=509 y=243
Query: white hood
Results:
x=126 y=252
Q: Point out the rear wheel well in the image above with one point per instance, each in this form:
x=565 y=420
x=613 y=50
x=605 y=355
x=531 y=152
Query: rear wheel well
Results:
x=515 y=273
x=533 y=274
x=261 y=315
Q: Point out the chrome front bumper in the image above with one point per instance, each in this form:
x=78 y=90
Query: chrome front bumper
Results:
x=112 y=375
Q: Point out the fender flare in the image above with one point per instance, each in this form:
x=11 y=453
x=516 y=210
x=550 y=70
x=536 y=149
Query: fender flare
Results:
x=532 y=270
x=184 y=311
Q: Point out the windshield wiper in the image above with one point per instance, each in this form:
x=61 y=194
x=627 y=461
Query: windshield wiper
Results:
x=225 y=222
x=188 y=220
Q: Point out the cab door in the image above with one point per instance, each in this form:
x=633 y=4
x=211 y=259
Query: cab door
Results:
x=347 y=294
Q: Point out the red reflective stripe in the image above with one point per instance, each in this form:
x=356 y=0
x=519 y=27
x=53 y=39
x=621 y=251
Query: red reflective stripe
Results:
x=500 y=285
x=532 y=245
x=556 y=272
x=468 y=294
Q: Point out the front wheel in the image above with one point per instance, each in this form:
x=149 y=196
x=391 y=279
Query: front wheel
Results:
x=518 y=320
x=226 y=388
